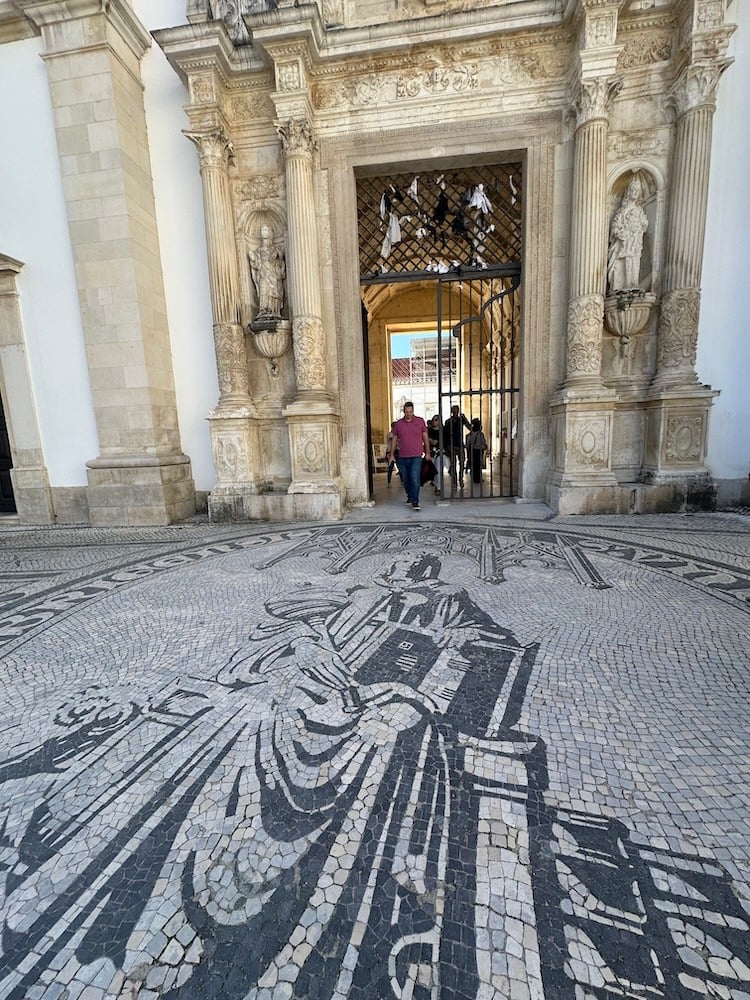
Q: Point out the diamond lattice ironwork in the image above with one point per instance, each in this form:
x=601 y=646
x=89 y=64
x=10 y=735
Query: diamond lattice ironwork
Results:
x=432 y=223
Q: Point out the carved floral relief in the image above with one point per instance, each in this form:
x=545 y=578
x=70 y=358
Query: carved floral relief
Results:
x=310 y=450
x=585 y=324
x=678 y=329
x=589 y=442
x=684 y=438
x=309 y=364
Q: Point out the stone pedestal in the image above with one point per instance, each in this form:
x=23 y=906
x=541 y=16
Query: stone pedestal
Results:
x=140 y=490
x=676 y=444
x=236 y=445
x=582 y=481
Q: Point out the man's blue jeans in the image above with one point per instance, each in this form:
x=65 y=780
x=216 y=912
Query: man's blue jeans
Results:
x=410 y=470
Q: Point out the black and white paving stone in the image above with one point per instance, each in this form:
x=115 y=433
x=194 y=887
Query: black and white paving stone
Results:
x=425 y=759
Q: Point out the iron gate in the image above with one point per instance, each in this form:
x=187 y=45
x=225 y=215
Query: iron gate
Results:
x=479 y=373
x=460 y=228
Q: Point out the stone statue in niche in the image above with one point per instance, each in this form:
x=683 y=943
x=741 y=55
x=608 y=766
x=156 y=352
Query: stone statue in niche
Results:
x=268 y=271
x=627 y=229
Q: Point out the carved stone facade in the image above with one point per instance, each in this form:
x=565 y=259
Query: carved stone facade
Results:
x=288 y=104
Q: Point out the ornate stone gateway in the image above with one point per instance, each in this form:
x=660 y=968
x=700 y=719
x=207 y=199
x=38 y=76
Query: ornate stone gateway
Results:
x=459 y=230
x=599 y=114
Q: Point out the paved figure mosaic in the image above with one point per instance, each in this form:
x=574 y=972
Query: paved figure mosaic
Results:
x=374 y=761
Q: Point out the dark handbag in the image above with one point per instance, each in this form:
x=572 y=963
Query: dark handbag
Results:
x=428 y=471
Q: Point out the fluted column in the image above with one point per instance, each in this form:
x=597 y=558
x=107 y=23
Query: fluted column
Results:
x=303 y=266
x=693 y=98
x=214 y=150
x=588 y=237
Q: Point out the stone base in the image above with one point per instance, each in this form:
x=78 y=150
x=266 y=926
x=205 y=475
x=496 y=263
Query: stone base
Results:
x=33 y=496
x=226 y=506
x=140 y=490
x=676 y=496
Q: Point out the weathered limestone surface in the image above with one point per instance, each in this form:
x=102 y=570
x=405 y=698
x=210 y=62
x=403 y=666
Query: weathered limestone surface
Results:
x=607 y=106
x=92 y=54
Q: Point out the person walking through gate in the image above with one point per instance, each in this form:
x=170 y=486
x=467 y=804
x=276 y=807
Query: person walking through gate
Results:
x=453 y=442
x=410 y=441
x=476 y=446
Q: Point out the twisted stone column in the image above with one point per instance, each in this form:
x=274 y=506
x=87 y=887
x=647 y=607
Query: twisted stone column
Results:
x=588 y=237
x=694 y=99
x=303 y=267
x=214 y=150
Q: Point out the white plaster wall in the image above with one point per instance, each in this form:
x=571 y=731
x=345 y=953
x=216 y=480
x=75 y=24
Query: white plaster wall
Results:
x=34 y=230
x=179 y=212
x=724 y=341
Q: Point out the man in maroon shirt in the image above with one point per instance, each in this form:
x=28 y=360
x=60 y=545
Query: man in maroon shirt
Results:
x=411 y=440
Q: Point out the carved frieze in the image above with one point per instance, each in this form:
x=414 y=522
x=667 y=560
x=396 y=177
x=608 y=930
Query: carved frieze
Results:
x=202 y=89
x=589 y=442
x=585 y=326
x=361 y=92
x=310 y=450
x=296 y=137
x=625 y=145
x=600 y=29
x=309 y=363
x=246 y=109
x=288 y=76
x=678 y=329
x=709 y=14
x=638 y=51
x=594 y=98
x=531 y=66
x=262 y=187
x=685 y=437
x=437 y=80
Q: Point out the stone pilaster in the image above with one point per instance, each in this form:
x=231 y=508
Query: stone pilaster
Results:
x=582 y=412
x=678 y=407
x=303 y=266
x=92 y=53
x=31 y=488
x=588 y=234
x=314 y=431
x=235 y=440
x=214 y=151
x=693 y=99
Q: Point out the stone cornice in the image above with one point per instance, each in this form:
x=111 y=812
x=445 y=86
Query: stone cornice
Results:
x=191 y=48
x=14 y=25
x=53 y=17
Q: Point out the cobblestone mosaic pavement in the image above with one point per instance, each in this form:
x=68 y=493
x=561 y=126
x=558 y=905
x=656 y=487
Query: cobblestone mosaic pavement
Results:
x=425 y=758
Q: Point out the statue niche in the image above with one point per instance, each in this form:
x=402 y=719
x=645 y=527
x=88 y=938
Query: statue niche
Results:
x=272 y=333
x=629 y=301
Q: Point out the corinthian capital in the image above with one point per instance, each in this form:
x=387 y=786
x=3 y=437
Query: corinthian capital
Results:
x=214 y=148
x=296 y=137
x=594 y=98
x=696 y=88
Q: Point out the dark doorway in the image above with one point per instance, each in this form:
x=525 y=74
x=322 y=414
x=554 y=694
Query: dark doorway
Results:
x=7 y=500
x=457 y=230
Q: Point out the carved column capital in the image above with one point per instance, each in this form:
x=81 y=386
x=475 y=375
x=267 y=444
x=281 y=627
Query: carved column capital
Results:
x=593 y=98
x=296 y=135
x=215 y=149
x=695 y=88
